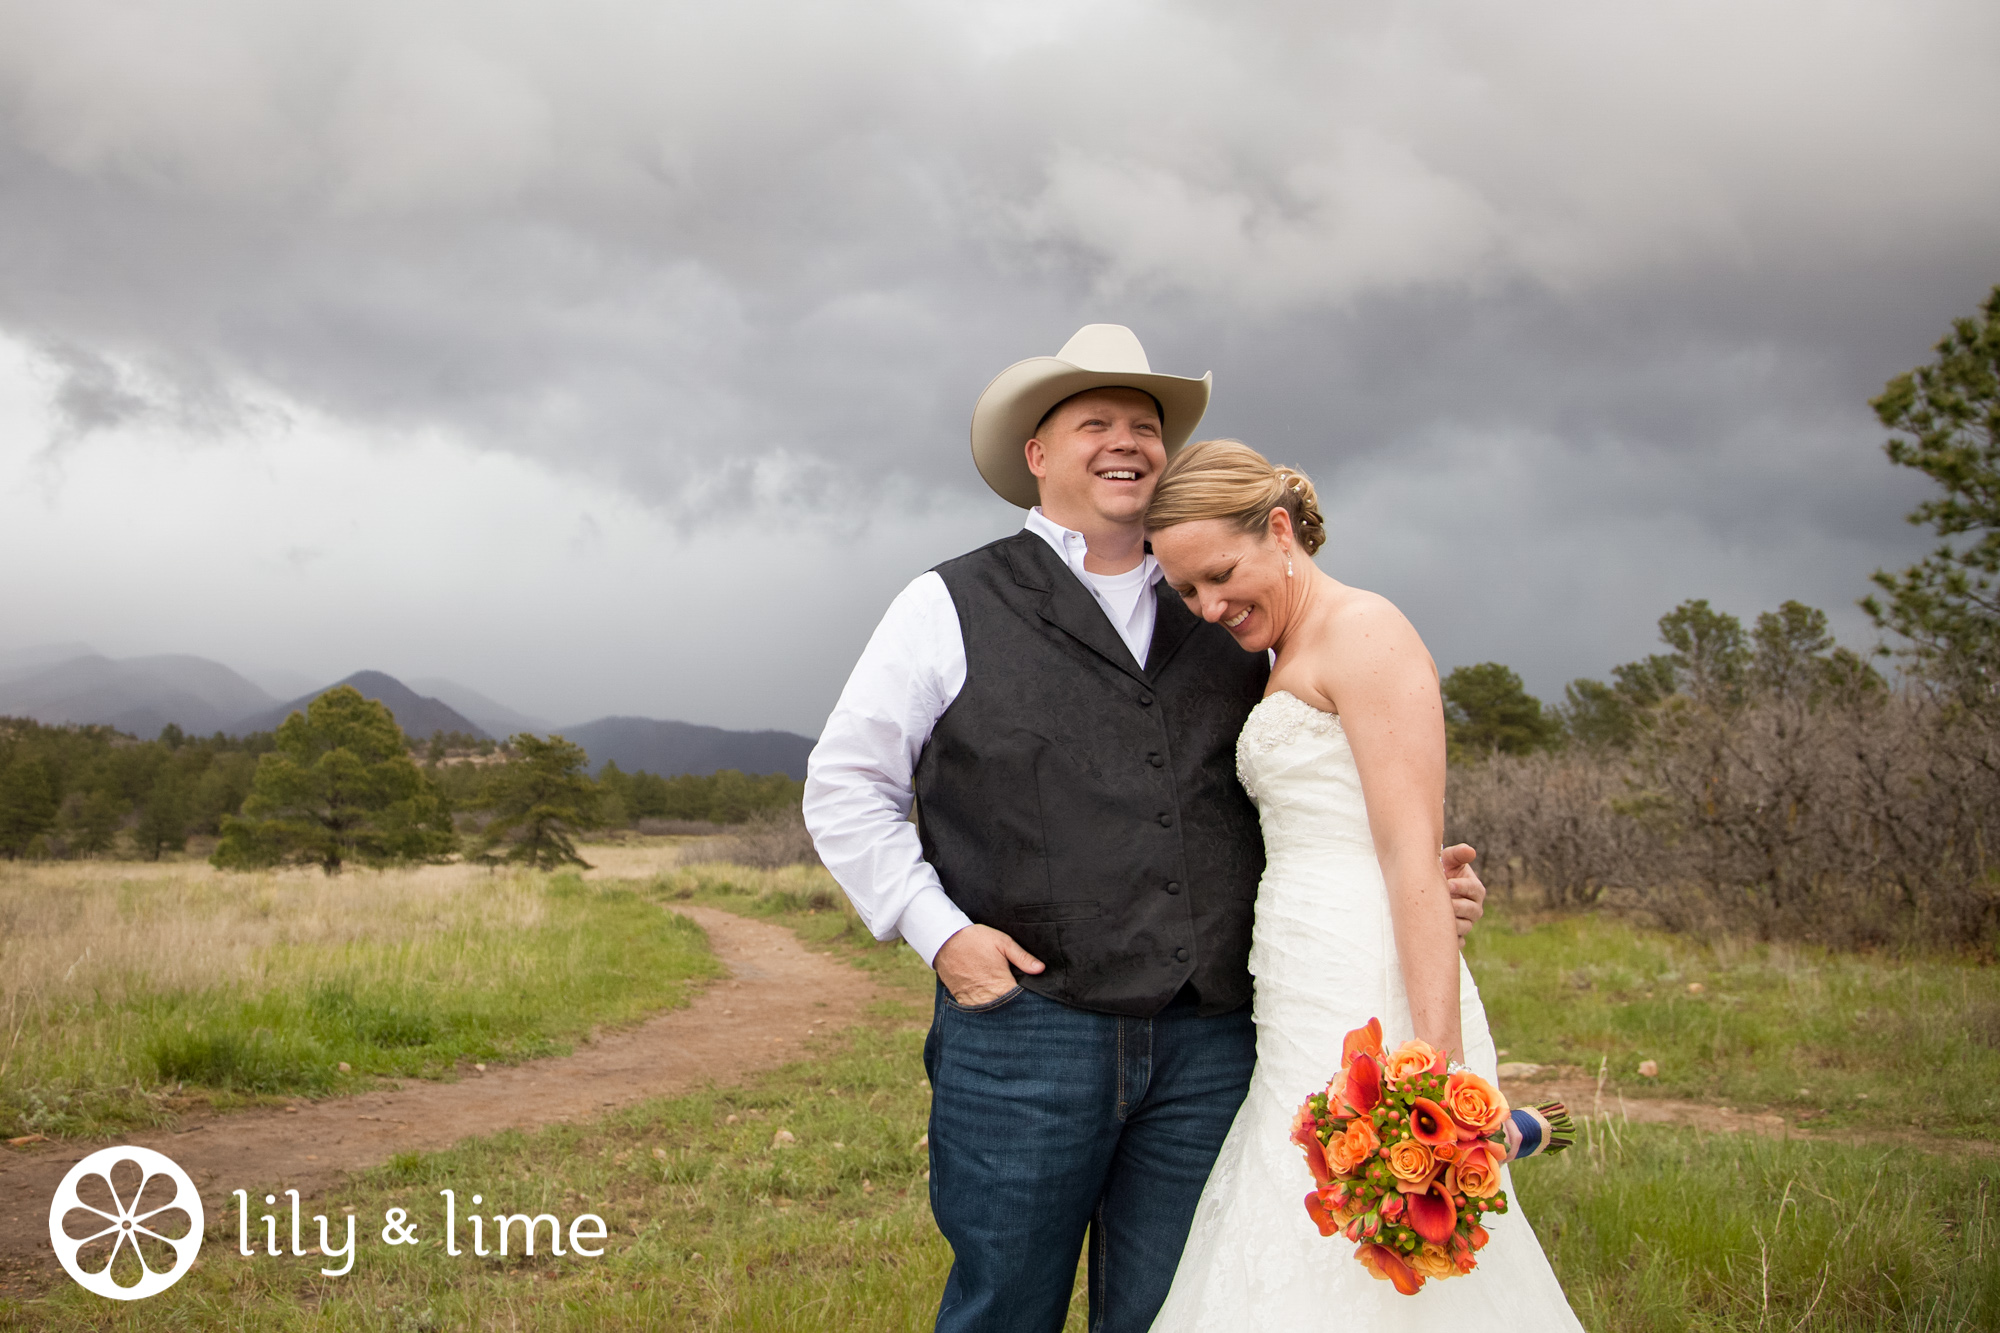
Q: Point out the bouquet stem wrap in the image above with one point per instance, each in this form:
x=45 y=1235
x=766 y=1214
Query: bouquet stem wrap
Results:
x=1534 y=1130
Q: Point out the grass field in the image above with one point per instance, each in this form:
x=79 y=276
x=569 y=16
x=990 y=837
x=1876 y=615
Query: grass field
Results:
x=125 y=989
x=716 y=1226
x=1836 y=1041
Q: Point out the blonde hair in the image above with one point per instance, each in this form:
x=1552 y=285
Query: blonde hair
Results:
x=1227 y=479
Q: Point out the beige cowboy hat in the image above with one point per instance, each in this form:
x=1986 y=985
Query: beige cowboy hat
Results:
x=1099 y=356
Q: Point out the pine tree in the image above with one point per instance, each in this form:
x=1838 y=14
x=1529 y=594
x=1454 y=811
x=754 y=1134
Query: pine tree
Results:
x=163 y=820
x=339 y=787
x=27 y=804
x=94 y=825
x=1947 y=415
x=539 y=798
x=1486 y=708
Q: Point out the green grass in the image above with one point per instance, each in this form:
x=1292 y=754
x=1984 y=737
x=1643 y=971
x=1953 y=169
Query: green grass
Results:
x=712 y=1226
x=510 y=968
x=1650 y=1228
x=1656 y=1230
x=1851 y=1042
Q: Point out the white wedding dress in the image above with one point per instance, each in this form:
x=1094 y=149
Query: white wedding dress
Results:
x=1324 y=956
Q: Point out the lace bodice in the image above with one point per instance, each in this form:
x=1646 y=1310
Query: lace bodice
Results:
x=1295 y=762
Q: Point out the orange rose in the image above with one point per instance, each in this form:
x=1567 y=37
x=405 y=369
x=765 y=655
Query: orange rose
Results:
x=1411 y=1163
x=1480 y=1236
x=1474 y=1103
x=1476 y=1173
x=1361 y=1139
x=1432 y=1261
x=1411 y=1058
x=1386 y=1264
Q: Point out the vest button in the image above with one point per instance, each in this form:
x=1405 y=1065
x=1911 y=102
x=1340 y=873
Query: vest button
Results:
x=1156 y=760
x=1173 y=886
x=1145 y=700
x=1166 y=821
x=1180 y=955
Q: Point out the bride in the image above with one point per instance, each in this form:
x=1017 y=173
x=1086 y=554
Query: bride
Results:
x=1345 y=758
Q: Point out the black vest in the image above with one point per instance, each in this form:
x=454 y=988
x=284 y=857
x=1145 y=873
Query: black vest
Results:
x=1089 y=807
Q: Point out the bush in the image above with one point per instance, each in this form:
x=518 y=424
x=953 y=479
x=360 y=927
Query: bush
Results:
x=1854 y=818
x=769 y=840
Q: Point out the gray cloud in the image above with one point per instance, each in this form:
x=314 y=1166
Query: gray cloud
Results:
x=1586 y=302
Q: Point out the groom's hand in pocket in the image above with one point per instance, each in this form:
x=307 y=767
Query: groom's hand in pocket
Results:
x=974 y=964
x=1468 y=895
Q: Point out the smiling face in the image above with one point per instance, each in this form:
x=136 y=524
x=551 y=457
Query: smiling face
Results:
x=1097 y=457
x=1231 y=577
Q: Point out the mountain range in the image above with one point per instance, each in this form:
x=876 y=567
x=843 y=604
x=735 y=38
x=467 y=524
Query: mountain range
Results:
x=417 y=715
x=65 y=683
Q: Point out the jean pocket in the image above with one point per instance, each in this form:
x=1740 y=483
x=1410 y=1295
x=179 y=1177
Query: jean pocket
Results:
x=987 y=1007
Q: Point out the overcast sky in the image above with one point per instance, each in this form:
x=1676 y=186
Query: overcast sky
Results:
x=614 y=357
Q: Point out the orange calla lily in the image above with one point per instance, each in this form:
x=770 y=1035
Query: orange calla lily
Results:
x=1386 y=1264
x=1431 y=1212
x=1321 y=1215
x=1365 y=1040
x=1429 y=1123
x=1305 y=1133
x=1362 y=1088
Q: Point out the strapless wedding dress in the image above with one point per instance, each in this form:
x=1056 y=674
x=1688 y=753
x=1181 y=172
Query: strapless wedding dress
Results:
x=1324 y=955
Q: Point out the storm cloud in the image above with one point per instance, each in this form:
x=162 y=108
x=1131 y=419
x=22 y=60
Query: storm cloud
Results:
x=1573 y=310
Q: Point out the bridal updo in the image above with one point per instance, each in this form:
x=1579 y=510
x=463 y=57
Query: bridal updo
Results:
x=1227 y=479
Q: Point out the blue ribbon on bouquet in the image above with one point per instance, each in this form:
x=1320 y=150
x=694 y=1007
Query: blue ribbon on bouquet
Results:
x=1536 y=1130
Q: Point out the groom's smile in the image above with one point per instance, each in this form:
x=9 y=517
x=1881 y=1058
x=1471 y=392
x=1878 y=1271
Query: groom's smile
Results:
x=1098 y=453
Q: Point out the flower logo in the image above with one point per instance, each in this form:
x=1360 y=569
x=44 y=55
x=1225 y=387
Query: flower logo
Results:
x=130 y=1204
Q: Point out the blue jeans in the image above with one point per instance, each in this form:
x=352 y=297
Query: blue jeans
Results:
x=1048 y=1122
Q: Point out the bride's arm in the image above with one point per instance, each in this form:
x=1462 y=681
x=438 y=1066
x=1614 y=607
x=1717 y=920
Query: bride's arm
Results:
x=1387 y=689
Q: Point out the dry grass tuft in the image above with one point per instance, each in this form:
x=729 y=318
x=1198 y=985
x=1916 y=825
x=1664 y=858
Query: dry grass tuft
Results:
x=104 y=931
x=119 y=981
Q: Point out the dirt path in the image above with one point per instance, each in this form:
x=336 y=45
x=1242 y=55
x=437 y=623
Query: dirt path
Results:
x=779 y=993
x=1581 y=1096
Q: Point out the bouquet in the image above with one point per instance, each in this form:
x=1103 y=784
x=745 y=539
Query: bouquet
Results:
x=1405 y=1155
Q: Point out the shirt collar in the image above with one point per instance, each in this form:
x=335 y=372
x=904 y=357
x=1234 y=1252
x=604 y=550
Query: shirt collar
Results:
x=1071 y=545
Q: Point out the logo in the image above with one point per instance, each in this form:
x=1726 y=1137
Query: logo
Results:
x=156 y=1213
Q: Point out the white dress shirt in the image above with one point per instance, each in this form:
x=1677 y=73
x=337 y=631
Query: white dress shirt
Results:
x=859 y=778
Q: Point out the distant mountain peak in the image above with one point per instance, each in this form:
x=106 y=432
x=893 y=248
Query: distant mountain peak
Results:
x=418 y=715
x=139 y=695
x=674 y=748
x=496 y=717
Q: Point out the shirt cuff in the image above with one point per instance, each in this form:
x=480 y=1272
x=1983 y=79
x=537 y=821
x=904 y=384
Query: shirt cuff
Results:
x=930 y=919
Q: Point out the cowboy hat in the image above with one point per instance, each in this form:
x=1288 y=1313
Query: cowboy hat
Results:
x=1100 y=356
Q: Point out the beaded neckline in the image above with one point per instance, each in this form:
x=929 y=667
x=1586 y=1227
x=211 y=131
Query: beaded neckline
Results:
x=1279 y=717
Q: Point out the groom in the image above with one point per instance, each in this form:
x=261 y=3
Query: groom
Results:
x=1083 y=871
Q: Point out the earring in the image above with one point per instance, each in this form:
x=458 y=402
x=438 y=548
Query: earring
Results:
x=1288 y=564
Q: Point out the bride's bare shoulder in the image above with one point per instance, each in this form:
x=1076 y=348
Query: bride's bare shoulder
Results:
x=1365 y=630
x=1358 y=611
